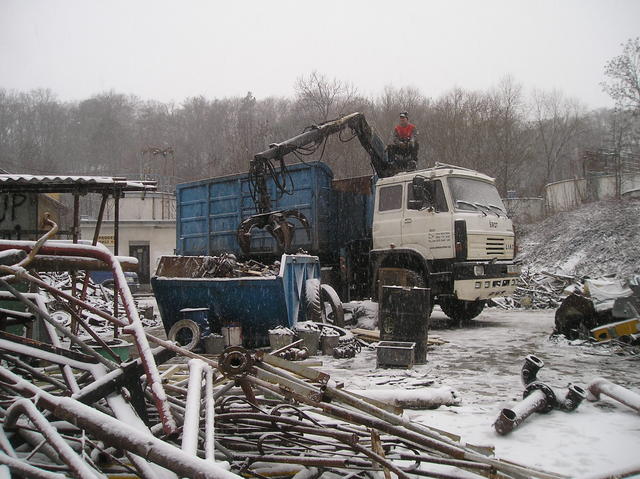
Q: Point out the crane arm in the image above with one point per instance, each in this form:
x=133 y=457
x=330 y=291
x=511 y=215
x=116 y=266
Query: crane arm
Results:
x=276 y=222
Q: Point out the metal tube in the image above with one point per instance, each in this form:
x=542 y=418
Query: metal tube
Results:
x=510 y=419
x=118 y=433
x=192 y=411
x=602 y=386
x=26 y=470
x=209 y=429
x=66 y=453
x=532 y=364
x=135 y=325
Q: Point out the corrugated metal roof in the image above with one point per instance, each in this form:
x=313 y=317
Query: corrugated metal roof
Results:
x=63 y=184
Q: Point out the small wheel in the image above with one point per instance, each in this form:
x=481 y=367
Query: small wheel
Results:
x=186 y=333
x=460 y=310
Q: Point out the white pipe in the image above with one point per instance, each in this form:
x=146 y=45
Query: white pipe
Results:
x=602 y=386
x=191 y=424
x=209 y=437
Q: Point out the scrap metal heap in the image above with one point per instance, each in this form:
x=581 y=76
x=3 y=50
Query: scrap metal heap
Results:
x=78 y=413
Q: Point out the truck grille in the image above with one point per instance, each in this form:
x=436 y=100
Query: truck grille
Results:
x=495 y=246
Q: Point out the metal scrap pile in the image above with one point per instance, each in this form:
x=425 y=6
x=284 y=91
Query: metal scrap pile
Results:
x=87 y=413
x=538 y=290
x=97 y=295
x=223 y=266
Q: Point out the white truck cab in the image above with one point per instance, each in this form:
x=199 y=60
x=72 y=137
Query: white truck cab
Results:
x=446 y=225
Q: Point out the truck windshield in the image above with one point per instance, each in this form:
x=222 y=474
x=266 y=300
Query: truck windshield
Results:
x=476 y=195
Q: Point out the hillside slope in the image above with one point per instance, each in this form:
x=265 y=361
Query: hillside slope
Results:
x=596 y=239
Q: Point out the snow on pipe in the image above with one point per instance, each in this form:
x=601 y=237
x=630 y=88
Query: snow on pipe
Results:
x=412 y=399
x=119 y=434
x=66 y=453
x=602 y=386
x=209 y=429
x=191 y=425
x=538 y=397
x=135 y=325
x=26 y=470
x=575 y=395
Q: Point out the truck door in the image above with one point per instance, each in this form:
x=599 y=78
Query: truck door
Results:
x=387 y=227
x=429 y=227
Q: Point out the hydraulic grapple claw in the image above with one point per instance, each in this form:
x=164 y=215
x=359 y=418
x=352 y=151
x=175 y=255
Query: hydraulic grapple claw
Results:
x=276 y=224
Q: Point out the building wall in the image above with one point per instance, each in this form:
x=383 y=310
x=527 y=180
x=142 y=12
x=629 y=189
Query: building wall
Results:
x=145 y=219
x=159 y=235
x=144 y=206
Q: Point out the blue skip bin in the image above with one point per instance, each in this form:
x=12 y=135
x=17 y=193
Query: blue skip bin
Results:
x=257 y=304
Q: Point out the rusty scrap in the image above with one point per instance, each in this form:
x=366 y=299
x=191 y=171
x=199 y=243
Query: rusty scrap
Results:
x=537 y=397
x=247 y=413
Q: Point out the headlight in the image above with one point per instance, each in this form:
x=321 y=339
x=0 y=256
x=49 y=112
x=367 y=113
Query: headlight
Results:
x=514 y=269
x=478 y=270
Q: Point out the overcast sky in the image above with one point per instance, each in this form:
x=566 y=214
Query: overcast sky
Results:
x=170 y=50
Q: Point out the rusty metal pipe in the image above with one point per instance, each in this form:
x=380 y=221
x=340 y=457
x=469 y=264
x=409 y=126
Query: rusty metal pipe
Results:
x=575 y=395
x=532 y=364
x=136 y=328
x=537 y=397
x=602 y=386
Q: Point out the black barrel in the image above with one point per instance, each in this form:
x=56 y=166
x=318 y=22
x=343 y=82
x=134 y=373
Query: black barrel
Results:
x=403 y=315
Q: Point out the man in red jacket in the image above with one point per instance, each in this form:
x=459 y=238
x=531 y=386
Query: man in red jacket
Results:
x=405 y=144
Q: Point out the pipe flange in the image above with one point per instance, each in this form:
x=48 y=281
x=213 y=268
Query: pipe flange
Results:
x=548 y=392
x=532 y=364
x=234 y=362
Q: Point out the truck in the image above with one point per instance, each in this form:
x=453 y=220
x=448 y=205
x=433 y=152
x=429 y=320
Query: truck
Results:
x=444 y=228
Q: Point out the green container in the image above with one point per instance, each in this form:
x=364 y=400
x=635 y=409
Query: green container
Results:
x=120 y=347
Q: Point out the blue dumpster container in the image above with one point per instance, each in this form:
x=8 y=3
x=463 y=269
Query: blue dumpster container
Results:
x=256 y=303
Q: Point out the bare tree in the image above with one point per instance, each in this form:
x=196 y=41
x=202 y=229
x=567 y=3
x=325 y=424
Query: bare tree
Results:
x=322 y=98
x=624 y=77
x=557 y=123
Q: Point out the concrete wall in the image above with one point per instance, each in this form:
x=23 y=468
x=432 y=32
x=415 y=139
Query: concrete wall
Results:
x=565 y=195
x=630 y=186
x=568 y=194
x=525 y=210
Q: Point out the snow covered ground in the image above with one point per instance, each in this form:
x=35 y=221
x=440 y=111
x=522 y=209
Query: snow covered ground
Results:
x=482 y=362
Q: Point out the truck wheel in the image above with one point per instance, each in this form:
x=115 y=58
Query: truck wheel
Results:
x=460 y=310
x=330 y=296
x=317 y=296
x=313 y=301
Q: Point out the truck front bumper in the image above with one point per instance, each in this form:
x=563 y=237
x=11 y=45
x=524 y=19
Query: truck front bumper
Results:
x=477 y=280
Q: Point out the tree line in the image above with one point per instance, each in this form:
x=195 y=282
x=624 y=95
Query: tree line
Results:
x=523 y=139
